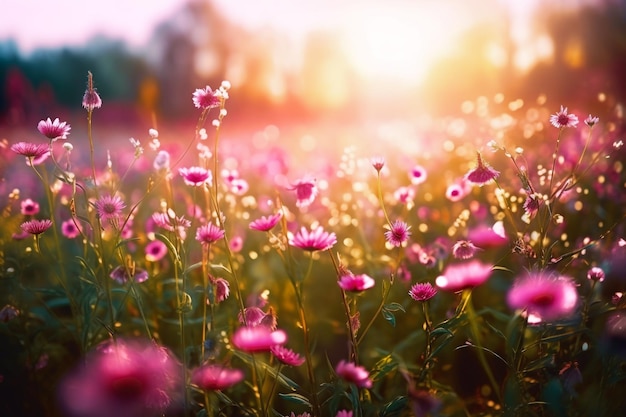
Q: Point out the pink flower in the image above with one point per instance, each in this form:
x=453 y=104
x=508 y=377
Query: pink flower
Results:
x=316 y=240
x=54 y=130
x=464 y=249
x=356 y=283
x=257 y=339
x=422 y=291
x=531 y=205
x=482 y=174
x=209 y=233
x=122 y=274
x=109 y=207
x=215 y=377
x=266 y=223
x=222 y=289
x=29 y=207
x=196 y=176
x=489 y=237
x=306 y=191
x=344 y=413
x=354 y=374
x=591 y=120
x=404 y=195
x=286 y=356
x=561 y=119
x=418 y=175
x=397 y=233
x=461 y=276
x=36 y=227
x=545 y=297
x=378 y=162
x=155 y=251
x=177 y=224
x=458 y=190
x=253 y=316
x=596 y=274
x=91 y=98
x=70 y=229
x=31 y=150
x=123 y=379
x=205 y=98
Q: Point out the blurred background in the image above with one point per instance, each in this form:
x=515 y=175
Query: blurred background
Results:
x=303 y=62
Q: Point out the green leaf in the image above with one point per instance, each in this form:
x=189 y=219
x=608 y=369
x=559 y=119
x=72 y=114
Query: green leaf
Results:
x=395 y=407
x=295 y=398
x=388 y=315
x=394 y=307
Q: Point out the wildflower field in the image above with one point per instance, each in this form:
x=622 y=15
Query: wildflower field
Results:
x=207 y=275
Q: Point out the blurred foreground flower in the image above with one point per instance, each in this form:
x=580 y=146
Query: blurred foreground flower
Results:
x=306 y=191
x=257 y=339
x=354 y=374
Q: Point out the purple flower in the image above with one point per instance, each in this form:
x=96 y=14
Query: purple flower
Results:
x=257 y=339
x=545 y=297
x=29 y=207
x=109 y=207
x=464 y=249
x=356 y=283
x=422 y=291
x=209 y=233
x=196 y=176
x=397 y=233
x=561 y=119
x=54 y=129
x=31 y=150
x=482 y=174
x=354 y=374
x=36 y=227
x=70 y=229
x=315 y=240
x=91 y=98
x=123 y=379
x=205 y=98
x=215 y=377
x=266 y=223
x=124 y=274
x=461 y=276
x=155 y=251
x=306 y=191
x=286 y=356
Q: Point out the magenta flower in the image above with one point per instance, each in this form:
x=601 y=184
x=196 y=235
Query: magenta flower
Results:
x=91 y=98
x=591 y=120
x=464 y=249
x=70 y=229
x=378 y=162
x=354 y=374
x=315 y=240
x=123 y=274
x=356 y=283
x=404 y=195
x=306 y=191
x=109 y=207
x=196 y=176
x=397 y=233
x=54 y=129
x=545 y=297
x=344 y=413
x=209 y=233
x=461 y=276
x=458 y=190
x=257 y=339
x=123 y=379
x=422 y=291
x=36 y=227
x=531 y=205
x=562 y=119
x=29 y=207
x=286 y=356
x=482 y=174
x=489 y=237
x=205 y=98
x=155 y=251
x=222 y=289
x=596 y=274
x=253 y=316
x=418 y=174
x=215 y=377
x=177 y=224
x=31 y=150
x=266 y=223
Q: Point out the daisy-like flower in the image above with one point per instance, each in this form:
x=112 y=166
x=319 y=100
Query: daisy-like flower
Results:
x=596 y=274
x=257 y=339
x=422 y=291
x=286 y=356
x=315 y=240
x=29 y=207
x=109 y=207
x=209 y=233
x=591 y=120
x=464 y=249
x=545 y=297
x=482 y=174
x=196 y=176
x=155 y=251
x=31 y=150
x=122 y=275
x=378 y=162
x=356 y=283
x=461 y=276
x=266 y=223
x=36 y=227
x=215 y=377
x=91 y=98
x=562 y=119
x=70 y=229
x=306 y=191
x=397 y=233
x=206 y=98
x=54 y=129
x=354 y=374
x=123 y=379
x=418 y=174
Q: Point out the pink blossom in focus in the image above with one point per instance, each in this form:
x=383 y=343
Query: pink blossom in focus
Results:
x=422 y=291
x=36 y=227
x=266 y=223
x=196 y=176
x=397 y=233
x=31 y=150
x=209 y=233
x=54 y=129
x=109 y=207
x=482 y=173
x=315 y=240
x=287 y=356
x=562 y=119
x=205 y=98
